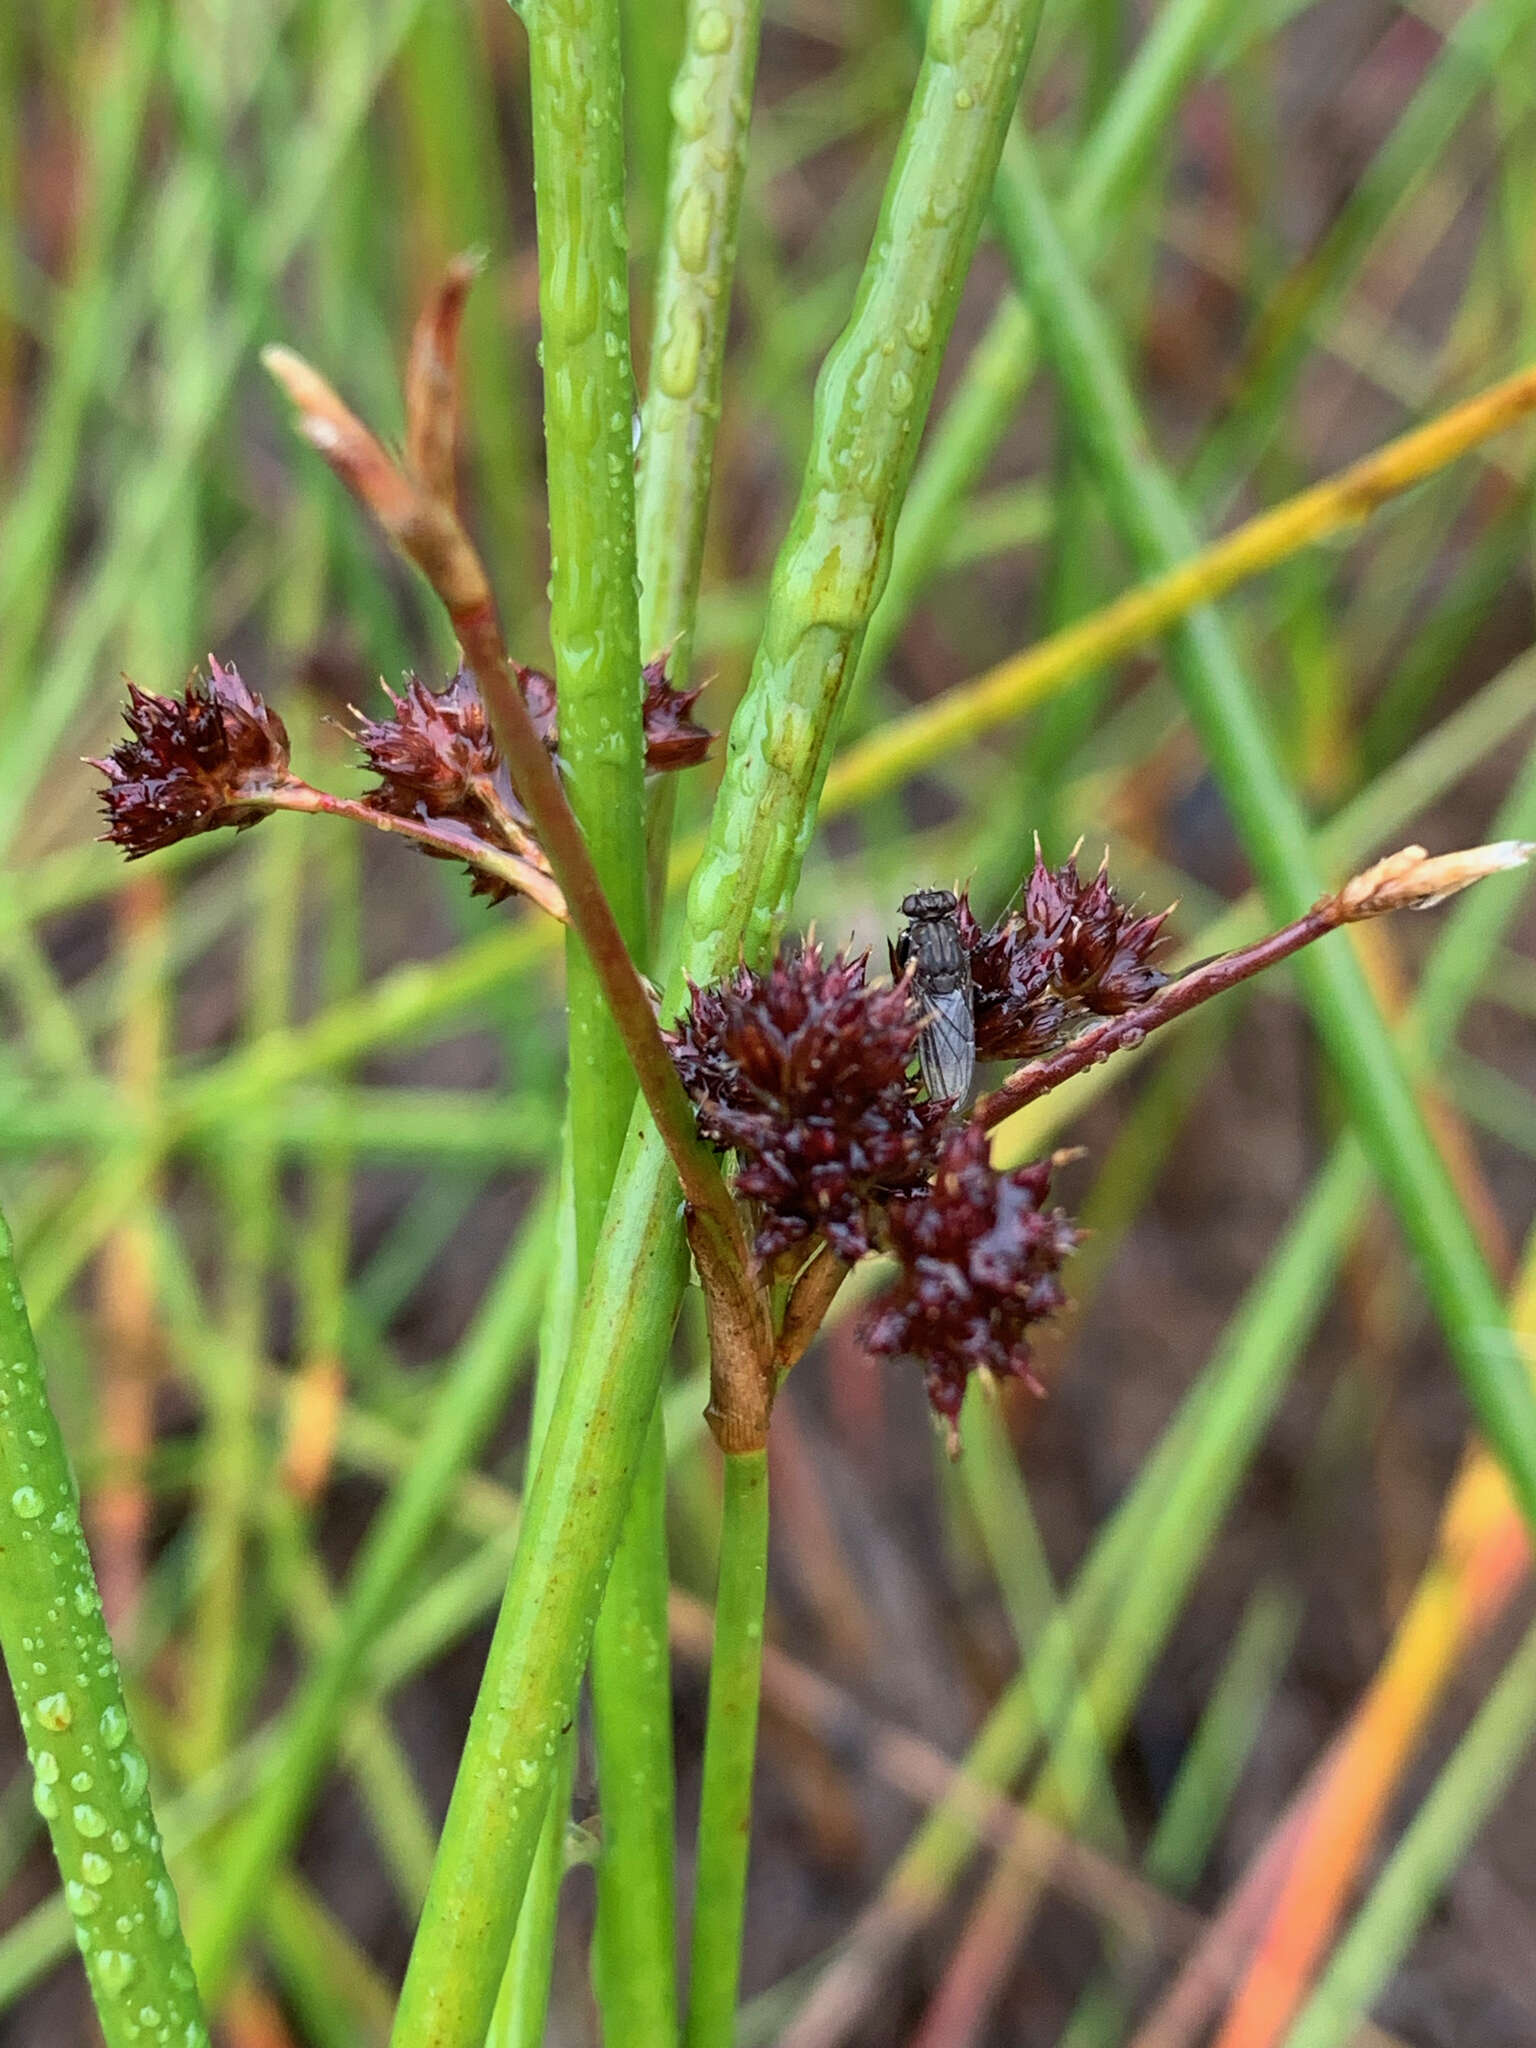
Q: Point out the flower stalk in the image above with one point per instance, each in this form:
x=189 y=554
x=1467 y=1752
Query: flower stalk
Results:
x=1409 y=880
x=428 y=531
x=730 y=1750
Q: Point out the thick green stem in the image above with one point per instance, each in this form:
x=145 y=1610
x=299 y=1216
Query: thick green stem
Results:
x=872 y=399
x=1002 y=365
x=1223 y=707
x=576 y=78
x=92 y=1785
x=730 y=1751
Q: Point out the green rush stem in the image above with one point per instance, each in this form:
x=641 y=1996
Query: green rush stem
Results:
x=522 y=2003
x=872 y=399
x=1226 y=714
x=696 y=264
x=468 y=1405
x=577 y=86
x=730 y=1751
x=1003 y=362
x=92 y=1785
x=1424 y=1861
x=1131 y=1588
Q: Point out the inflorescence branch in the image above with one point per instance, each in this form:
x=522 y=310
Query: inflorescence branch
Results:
x=809 y=1077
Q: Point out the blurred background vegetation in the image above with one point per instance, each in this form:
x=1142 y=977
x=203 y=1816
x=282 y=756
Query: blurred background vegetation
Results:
x=272 y=1111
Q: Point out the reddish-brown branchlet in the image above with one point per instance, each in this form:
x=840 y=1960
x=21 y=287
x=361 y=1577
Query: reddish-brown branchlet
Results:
x=192 y=764
x=803 y=1072
x=980 y=1260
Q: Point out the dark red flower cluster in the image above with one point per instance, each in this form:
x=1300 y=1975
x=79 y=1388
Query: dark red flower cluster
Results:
x=804 y=1073
x=191 y=764
x=437 y=758
x=672 y=738
x=1070 y=950
x=209 y=759
x=980 y=1260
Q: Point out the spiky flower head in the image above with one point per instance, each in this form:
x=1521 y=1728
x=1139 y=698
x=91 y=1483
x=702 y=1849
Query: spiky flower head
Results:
x=672 y=738
x=1071 y=949
x=436 y=756
x=192 y=764
x=803 y=1072
x=980 y=1260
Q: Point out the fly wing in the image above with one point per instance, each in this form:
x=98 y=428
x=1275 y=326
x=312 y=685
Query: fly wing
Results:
x=946 y=1050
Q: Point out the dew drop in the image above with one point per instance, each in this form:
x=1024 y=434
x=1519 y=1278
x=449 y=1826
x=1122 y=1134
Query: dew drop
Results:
x=46 y=1800
x=135 y=1775
x=46 y=1767
x=89 y=1820
x=95 y=1868
x=712 y=32
x=690 y=107
x=114 y=1970
x=695 y=224
x=27 y=1503
x=114 y=1727
x=82 y=1899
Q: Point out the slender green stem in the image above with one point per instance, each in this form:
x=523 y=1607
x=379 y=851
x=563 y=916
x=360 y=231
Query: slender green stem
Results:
x=576 y=77
x=635 y=1960
x=713 y=96
x=522 y=2004
x=1426 y=1858
x=730 y=1752
x=92 y=1785
x=1221 y=703
x=872 y=399
x=695 y=269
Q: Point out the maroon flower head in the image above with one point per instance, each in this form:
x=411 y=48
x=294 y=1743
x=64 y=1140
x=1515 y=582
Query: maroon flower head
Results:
x=672 y=739
x=1102 y=952
x=980 y=1262
x=436 y=757
x=804 y=1074
x=1013 y=998
x=192 y=764
x=1070 y=950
